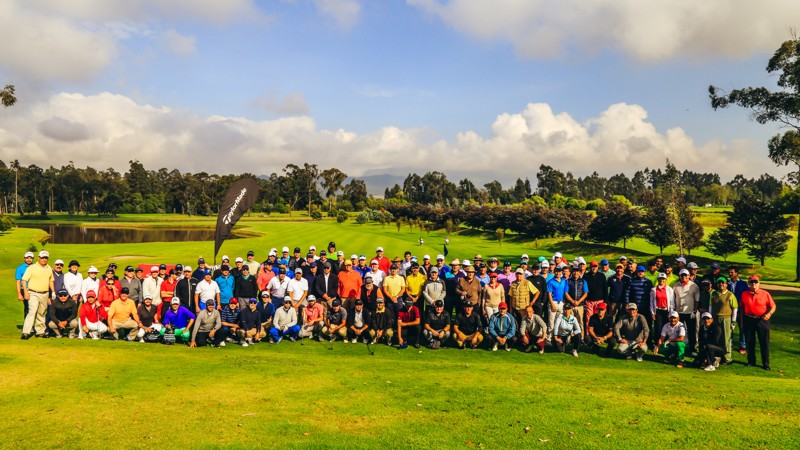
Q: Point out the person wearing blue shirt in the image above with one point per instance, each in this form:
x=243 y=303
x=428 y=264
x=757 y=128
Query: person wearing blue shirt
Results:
x=502 y=328
x=577 y=291
x=639 y=293
x=179 y=320
x=226 y=284
x=556 y=288
x=28 y=258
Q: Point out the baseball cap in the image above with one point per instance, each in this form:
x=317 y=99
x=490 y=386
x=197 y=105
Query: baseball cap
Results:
x=187 y=268
x=200 y=261
x=211 y=303
x=253 y=300
x=234 y=301
x=600 y=306
x=379 y=249
x=707 y=315
x=662 y=275
x=525 y=256
x=74 y=262
x=66 y=292
x=753 y=278
x=287 y=299
x=603 y=262
x=502 y=305
x=507 y=264
x=238 y=259
x=673 y=314
x=426 y=257
x=331 y=244
x=545 y=264
x=362 y=258
x=251 y=253
x=683 y=272
x=280 y=271
x=311 y=298
x=640 y=269
x=58 y=261
x=175 y=301
x=632 y=306
x=125 y=290
x=722 y=280
x=379 y=300
x=692 y=265
x=323 y=253
x=224 y=258
x=493 y=275
x=164 y=266
x=593 y=264
x=567 y=306
x=623 y=258
x=681 y=260
x=297 y=249
x=129 y=269
x=408 y=302
x=336 y=302
x=440 y=257
x=715 y=265
x=354 y=256
x=148 y=296
x=283 y=250
x=28 y=255
x=619 y=266
x=92 y=294
x=359 y=302
x=468 y=304
x=434 y=269
x=520 y=271
x=298 y=270
x=557 y=255
x=312 y=247
x=44 y=254
x=266 y=294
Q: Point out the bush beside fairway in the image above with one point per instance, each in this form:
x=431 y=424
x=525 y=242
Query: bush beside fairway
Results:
x=66 y=393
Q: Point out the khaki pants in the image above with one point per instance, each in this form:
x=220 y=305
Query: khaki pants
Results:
x=725 y=323
x=71 y=326
x=341 y=332
x=388 y=334
x=130 y=325
x=578 y=312
x=461 y=338
x=37 y=308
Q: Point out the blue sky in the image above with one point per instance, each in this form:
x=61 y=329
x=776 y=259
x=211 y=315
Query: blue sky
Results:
x=471 y=88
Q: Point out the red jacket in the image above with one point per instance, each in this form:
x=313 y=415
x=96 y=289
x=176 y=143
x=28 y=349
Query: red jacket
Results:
x=89 y=313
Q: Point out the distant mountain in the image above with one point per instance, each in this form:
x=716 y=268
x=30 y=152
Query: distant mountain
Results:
x=376 y=184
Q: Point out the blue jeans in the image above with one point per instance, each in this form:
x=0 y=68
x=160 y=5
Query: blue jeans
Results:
x=277 y=334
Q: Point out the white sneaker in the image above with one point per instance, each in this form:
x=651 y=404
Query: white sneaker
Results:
x=80 y=337
x=508 y=348
x=245 y=344
x=346 y=341
x=541 y=351
x=93 y=335
x=141 y=340
x=59 y=336
x=494 y=348
x=575 y=353
x=222 y=344
x=373 y=342
x=72 y=335
x=710 y=368
x=639 y=358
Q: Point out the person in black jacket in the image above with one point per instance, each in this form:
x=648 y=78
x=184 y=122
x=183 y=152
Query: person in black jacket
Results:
x=540 y=283
x=437 y=326
x=250 y=323
x=327 y=286
x=467 y=328
x=245 y=286
x=358 y=323
x=382 y=323
x=185 y=288
x=63 y=314
x=712 y=343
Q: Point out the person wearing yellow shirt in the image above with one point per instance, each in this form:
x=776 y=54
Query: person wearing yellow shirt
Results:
x=37 y=283
x=394 y=290
x=414 y=282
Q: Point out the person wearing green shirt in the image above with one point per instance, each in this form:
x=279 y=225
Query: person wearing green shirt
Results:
x=724 y=308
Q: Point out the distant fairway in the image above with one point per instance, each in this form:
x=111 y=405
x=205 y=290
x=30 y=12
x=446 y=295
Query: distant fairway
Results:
x=68 y=393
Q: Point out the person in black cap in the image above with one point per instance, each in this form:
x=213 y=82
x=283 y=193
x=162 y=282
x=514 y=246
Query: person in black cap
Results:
x=408 y=325
x=162 y=272
x=113 y=268
x=251 y=262
x=133 y=284
x=358 y=321
x=437 y=326
x=73 y=280
x=467 y=327
x=335 y=322
x=179 y=271
x=200 y=272
x=296 y=260
x=63 y=314
x=382 y=325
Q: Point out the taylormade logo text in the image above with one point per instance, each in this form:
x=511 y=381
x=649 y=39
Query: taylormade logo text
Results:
x=227 y=218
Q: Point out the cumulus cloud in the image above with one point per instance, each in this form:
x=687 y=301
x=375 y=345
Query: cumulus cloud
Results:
x=179 y=44
x=74 y=40
x=293 y=104
x=344 y=12
x=108 y=130
x=646 y=31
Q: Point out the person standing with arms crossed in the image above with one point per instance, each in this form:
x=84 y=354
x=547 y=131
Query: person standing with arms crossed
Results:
x=758 y=310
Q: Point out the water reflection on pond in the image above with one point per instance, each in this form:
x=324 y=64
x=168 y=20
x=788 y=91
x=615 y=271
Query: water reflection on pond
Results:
x=75 y=234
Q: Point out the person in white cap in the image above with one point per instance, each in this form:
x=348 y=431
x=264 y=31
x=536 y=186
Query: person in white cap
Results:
x=152 y=286
x=631 y=332
x=681 y=262
x=37 y=283
x=298 y=290
x=662 y=302
x=712 y=343
x=672 y=342
x=444 y=269
x=383 y=262
x=687 y=300
x=27 y=261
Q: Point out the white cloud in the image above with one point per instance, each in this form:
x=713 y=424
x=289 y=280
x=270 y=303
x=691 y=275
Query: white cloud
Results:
x=643 y=30
x=344 y=12
x=293 y=104
x=179 y=44
x=108 y=130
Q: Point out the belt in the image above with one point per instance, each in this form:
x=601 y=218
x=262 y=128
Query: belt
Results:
x=753 y=317
x=662 y=309
x=38 y=292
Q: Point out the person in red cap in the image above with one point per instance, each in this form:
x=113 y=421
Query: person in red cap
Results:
x=502 y=328
x=758 y=310
x=601 y=331
x=595 y=291
x=89 y=314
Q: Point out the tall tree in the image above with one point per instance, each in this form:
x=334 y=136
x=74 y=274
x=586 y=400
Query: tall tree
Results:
x=332 y=180
x=723 y=242
x=613 y=223
x=7 y=96
x=781 y=106
x=760 y=227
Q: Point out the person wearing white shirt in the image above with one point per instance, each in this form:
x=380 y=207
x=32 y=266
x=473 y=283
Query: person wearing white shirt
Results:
x=297 y=289
x=672 y=341
x=152 y=286
x=73 y=281
x=206 y=290
x=90 y=283
x=277 y=288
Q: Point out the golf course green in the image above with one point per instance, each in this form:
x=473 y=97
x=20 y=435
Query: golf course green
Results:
x=88 y=394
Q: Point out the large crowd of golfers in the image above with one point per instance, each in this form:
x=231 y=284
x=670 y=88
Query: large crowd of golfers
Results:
x=617 y=309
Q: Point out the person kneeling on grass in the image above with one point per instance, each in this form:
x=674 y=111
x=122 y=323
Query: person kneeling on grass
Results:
x=206 y=326
x=631 y=332
x=382 y=324
x=266 y=311
x=313 y=315
x=601 y=330
x=468 y=327
x=90 y=318
x=148 y=320
x=567 y=331
x=284 y=323
x=502 y=328
x=358 y=320
x=532 y=330
x=408 y=325
x=63 y=315
x=335 y=322
x=672 y=342
x=122 y=315
x=229 y=315
x=437 y=325
x=178 y=320
x=250 y=323
x=712 y=343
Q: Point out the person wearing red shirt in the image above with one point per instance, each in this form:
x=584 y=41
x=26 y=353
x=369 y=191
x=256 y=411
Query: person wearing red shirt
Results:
x=106 y=294
x=758 y=310
x=383 y=262
x=167 y=292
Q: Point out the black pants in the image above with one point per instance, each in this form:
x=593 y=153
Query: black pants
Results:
x=662 y=317
x=411 y=334
x=202 y=338
x=574 y=340
x=691 y=331
x=710 y=352
x=364 y=334
x=610 y=343
x=492 y=340
x=752 y=327
x=222 y=333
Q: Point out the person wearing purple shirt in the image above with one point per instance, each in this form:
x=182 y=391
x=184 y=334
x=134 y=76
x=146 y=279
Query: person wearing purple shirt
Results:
x=179 y=320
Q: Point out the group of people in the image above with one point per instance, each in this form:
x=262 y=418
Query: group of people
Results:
x=569 y=306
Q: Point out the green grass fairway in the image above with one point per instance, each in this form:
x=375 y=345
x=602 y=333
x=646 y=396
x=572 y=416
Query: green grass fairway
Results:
x=90 y=394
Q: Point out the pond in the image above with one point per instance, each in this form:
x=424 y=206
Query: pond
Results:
x=76 y=234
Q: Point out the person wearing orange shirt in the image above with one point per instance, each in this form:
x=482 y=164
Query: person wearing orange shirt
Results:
x=349 y=285
x=758 y=310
